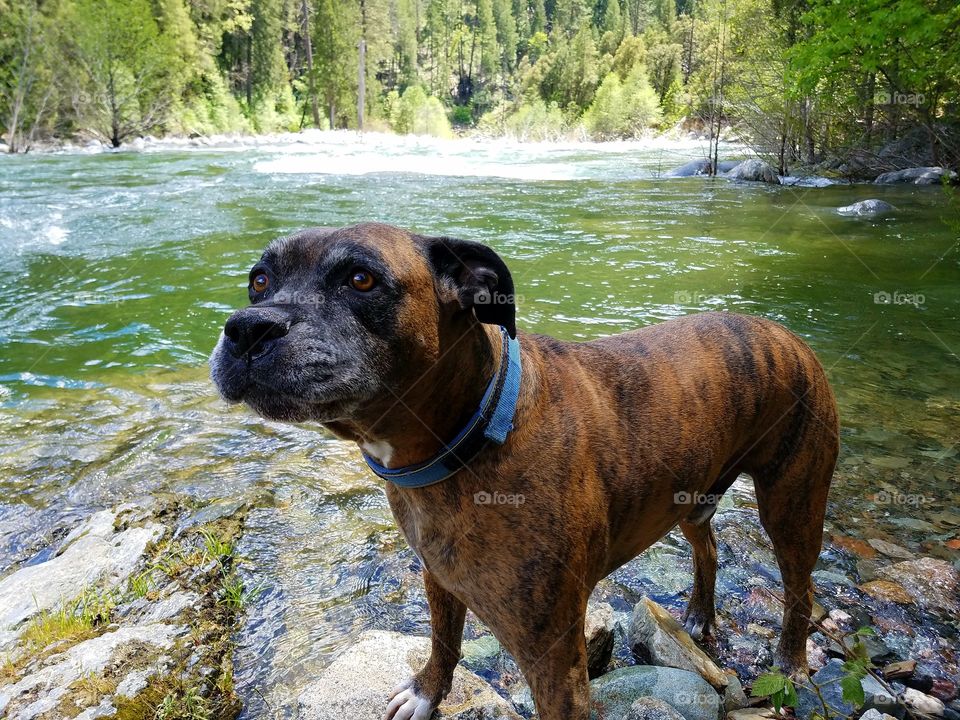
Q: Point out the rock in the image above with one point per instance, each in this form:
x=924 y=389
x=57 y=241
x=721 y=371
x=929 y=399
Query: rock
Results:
x=522 y=700
x=922 y=704
x=753 y=714
x=891 y=549
x=826 y=577
x=827 y=679
x=888 y=591
x=648 y=708
x=897 y=670
x=91 y=555
x=656 y=637
x=612 y=695
x=866 y=208
x=734 y=697
x=46 y=686
x=816 y=656
x=917 y=176
x=357 y=684
x=933 y=583
x=480 y=654
x=855 y=546
x=690 y=169
x=754 y=171
x=599 y=632
x=874 y=714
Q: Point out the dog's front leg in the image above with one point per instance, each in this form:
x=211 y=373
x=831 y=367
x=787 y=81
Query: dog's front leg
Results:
x=417 y=698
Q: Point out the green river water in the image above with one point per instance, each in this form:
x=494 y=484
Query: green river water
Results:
x=119 y=269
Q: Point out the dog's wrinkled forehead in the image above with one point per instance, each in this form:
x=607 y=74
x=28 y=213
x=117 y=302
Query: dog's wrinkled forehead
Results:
x=383 y=245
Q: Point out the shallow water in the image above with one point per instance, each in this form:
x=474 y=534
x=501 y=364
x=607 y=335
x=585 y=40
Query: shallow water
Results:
x=120 y=268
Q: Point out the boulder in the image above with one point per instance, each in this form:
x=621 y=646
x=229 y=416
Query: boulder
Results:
x=357 y=684
x=828 y=680
x=648 y=708
x=734 y=698
x=934 y=584
x=656 y=637
x=93 y=554
x=754 y=171
x=690 y=169
x=599 y=631
x=866 y=208
x=917 y=176
x=612 y=695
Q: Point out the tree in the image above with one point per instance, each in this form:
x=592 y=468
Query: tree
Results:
x=334 y=49
x=123 y=64
x=26 y=85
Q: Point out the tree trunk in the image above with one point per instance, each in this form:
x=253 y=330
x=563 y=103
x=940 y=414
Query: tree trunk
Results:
x=362 y=83
x=311 y=80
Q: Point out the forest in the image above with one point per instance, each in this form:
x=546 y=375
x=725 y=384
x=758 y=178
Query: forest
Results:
x=853 y=85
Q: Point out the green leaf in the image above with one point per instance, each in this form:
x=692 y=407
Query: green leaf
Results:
x=852 y=690
x=790 y=694
x=768 y=684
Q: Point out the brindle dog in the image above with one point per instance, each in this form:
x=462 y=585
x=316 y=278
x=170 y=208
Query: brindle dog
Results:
x=376 y=333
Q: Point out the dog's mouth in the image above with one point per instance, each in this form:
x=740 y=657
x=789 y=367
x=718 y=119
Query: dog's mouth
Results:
x=279 y=387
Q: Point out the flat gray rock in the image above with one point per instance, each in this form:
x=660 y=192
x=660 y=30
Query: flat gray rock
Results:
x=91 y=555
x=358 y=683
x=41 y=690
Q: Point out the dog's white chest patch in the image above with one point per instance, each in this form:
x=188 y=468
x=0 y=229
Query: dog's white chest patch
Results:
x=379 y=450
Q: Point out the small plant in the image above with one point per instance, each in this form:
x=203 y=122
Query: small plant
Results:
x=186 y=705
x=141 y=584
x=215 y=548
x=235 y=596
x=781 y=690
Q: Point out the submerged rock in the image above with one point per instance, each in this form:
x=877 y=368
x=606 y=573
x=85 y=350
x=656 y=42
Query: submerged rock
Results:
x=754 y=171
x=656 y=637
x=93 y=554
x=613 y=694
x=358 y=683
x=701 y=167
x=934 y=584
x=866 y=208
x=917 y=176
x=828 y=680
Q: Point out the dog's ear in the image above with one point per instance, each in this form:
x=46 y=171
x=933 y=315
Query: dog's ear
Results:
x=479 y=276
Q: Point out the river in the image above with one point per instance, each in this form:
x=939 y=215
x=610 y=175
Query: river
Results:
x=119 y=269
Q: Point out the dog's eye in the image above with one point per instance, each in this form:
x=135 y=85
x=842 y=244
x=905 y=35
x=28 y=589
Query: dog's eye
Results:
x=260 y=282
x=362 y=280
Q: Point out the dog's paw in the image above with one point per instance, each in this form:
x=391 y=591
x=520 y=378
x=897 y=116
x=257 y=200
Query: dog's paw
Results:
x=407 y=704
x=698 y=625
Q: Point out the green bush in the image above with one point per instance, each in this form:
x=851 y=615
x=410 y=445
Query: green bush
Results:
x=531 y=121
x=622 y=109
x=461 y=115
x=416 y=113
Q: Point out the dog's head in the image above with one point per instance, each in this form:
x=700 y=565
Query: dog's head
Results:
x=341 y=317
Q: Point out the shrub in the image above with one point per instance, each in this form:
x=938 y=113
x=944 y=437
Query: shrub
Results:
x=622 y=110
x=417 y=113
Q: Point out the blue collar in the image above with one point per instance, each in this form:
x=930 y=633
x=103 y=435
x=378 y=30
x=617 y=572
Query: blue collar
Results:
x=492 y=421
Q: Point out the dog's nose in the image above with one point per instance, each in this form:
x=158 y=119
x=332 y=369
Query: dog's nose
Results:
x=250 y=332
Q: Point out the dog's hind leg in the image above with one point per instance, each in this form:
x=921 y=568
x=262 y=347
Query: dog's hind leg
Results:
x=792 y=500
x=417 y=698
x=699 y=617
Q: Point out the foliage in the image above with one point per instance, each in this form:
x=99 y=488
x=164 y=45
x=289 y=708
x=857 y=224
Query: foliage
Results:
x=622 y=110
x=801 y=81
